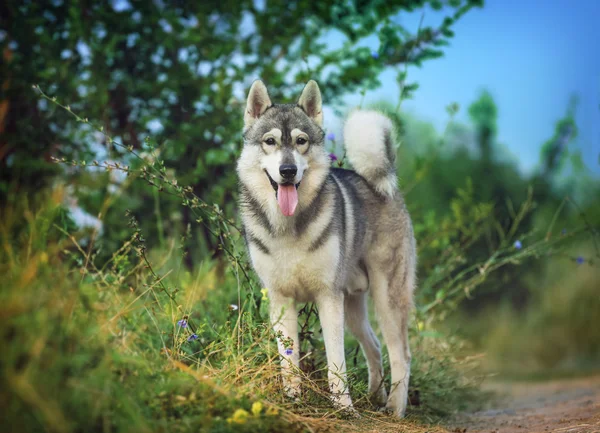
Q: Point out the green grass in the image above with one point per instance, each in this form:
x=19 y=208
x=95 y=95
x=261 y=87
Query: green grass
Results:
x=97 y=347
x=89 y=326
x=557 y=334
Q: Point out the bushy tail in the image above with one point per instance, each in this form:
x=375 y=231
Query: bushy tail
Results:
x=368 y=137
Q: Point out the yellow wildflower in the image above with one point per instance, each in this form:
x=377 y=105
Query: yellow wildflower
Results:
x=240 y=416
x=257 y=407
x=264 y=293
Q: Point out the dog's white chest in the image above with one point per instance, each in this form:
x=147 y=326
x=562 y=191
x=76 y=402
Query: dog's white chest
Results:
x=293 y=270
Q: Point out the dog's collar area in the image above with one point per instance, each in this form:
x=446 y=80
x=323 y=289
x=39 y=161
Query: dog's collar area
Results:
x=275 y=185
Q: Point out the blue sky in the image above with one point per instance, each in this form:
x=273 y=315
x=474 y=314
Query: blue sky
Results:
x=532 y=55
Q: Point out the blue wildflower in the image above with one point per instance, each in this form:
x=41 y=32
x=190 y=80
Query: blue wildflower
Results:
x=182 y=323
x=580 y=260
x=563 y=232
x=330 y=136
x=375 y=54
x=192 y=337
x=332 y=157
x=518 y=245
x=289 y=352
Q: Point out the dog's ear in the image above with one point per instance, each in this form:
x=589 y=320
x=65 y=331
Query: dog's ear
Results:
x=257 y=103
x=310 y=102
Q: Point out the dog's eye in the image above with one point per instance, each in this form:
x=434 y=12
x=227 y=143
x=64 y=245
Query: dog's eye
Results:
x=270 y=141
x=301 y=140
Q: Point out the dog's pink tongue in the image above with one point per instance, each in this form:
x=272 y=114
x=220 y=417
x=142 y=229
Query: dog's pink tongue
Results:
x=287 y=197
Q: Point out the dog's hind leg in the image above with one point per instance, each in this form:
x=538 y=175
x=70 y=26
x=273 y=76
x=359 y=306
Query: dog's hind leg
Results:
x=284 y=318
x=357 y=320
x=392 y=293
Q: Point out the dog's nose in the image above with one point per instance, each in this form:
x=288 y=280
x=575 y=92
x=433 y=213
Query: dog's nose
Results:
x=288 y=171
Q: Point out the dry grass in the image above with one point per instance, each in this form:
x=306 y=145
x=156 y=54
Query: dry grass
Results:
x=97 y=347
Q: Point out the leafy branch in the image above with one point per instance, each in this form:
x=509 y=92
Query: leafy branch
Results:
x=154 y=173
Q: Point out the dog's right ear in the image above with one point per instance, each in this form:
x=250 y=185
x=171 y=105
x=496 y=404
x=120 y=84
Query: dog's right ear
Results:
x=257 y=103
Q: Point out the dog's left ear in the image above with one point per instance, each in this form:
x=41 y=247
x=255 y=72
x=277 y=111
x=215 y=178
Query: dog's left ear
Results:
x=310 y=102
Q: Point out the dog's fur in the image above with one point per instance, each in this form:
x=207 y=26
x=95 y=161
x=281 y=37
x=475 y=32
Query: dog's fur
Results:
x=349 y=234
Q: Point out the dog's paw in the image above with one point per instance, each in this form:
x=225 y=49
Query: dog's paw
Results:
x=292 y=390
x=396 y=403
x=294 y=395
x=392 y=411
x=379 y=397
x=343 y=404
x=349 y=413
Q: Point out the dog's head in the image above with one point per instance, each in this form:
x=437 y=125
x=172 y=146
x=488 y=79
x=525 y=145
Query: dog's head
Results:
x=284 y=144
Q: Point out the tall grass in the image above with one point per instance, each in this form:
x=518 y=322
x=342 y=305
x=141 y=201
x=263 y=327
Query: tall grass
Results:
x=557 y=333
x=138 y=342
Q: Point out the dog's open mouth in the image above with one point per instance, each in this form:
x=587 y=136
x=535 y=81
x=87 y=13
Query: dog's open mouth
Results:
x=286 y=195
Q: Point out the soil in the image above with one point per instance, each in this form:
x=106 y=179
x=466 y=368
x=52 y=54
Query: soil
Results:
x=562 y=406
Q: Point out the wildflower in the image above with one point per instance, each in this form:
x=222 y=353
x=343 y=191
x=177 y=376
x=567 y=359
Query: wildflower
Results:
x=182 y=323
x=264 y=292
x=332 y=157
x=289 y=351
x=233 y=307
x=257 y=407
x=563 y=232
x=240 y=416
x=272 y=411
x=518 y=245
x=375 y=54
x=331 y=136
x=192 y=337
x=580 y=260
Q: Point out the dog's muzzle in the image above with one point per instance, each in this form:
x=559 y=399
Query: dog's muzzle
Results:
x=288 y=171
x=275 y=185
x=286 y=193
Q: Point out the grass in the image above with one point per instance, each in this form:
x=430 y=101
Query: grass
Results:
x=99 y=347
x=555 y=335
x=95 y=340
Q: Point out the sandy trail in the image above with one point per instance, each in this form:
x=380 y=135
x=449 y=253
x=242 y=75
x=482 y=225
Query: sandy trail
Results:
x=562 y=406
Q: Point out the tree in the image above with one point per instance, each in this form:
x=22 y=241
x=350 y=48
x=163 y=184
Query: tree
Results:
x=554 y=151
x=179 y=72
x=484 y=115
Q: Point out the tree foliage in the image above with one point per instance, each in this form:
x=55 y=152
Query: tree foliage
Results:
x=179 y=72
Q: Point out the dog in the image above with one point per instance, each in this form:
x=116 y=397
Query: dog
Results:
x=330 y=236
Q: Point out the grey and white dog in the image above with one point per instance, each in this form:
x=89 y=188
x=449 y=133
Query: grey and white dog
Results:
x=329 y=235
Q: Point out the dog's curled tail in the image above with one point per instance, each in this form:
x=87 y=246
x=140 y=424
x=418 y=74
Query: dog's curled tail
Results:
x=369 y=142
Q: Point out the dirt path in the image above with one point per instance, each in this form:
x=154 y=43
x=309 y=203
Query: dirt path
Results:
x=562 y=406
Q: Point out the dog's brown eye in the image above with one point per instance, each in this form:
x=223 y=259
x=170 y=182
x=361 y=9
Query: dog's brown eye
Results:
x=270 y=141
x=301 y=140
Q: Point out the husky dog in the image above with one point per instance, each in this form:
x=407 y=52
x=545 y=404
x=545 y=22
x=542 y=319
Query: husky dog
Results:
x=330 y=236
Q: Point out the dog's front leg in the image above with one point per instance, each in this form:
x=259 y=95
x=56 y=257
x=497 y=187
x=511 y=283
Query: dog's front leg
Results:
x=331 y=315
x=285 y=323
